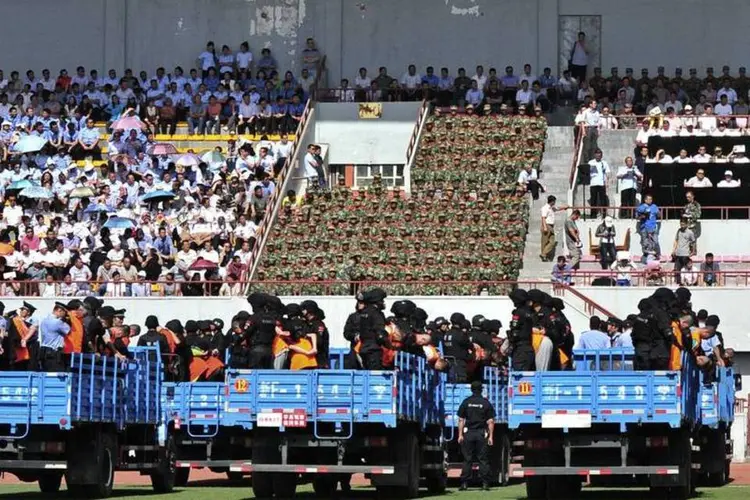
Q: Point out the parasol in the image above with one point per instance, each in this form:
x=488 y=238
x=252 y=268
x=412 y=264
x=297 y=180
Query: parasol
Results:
x=158 y=196
x=162 y=148
x=36 y=193
x=119 y=223
x=81 y=192
x=29 y=144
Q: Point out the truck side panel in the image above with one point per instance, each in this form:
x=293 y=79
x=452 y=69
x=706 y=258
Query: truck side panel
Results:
x=34 y=398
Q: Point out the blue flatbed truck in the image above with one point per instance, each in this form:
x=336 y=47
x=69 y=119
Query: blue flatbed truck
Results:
x=99 y=416
x=712 y=446
x=496 y=391
x=321 y=425
x=605 y=419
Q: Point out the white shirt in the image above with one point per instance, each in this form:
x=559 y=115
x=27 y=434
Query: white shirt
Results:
x=282 y=150
x=723 y=109
x=548 y=214
x=206 y=59
x=113 y=289
x=599 y=173
x=643 y=135
x=80 y=275
x=591 y=117
x=608 y=122
x=524 y=177
x=707 y=122
x=210 y=255
x=732 y=183
x=676 y=105
x=362 y=83
x=411 y=81
x=627 y=178
x=481 y=80
x=665 y=133
x=702 y=158
x=13 y=215
x=730 y=93
x=580 y=58
x=244 y=59
x=523 y=96
x=245 y=231
x=740 y=159
x=310 y=163
x=679 y=159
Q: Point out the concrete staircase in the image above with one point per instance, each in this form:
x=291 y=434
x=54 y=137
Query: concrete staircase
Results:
x=555 y=177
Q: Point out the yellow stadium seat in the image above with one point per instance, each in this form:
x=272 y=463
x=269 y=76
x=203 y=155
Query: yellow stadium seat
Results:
x=212 y=137
x=182 y=124
x=162 y=137
x=180 y=137
x=100 y=124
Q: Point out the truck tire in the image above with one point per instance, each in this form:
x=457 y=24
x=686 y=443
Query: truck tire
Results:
x=163 y=478
x=437 y=483
x=49 y=482
x=500 y=461
x=325 y=485
x=412 y=453
x=105 y=457
x=235 y=476
x=284 y=485
x=263 y=485
x=181 y=477
x=716 y=478
x=536 y=488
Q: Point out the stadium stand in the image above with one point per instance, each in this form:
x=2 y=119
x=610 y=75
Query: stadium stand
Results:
x=463 y=221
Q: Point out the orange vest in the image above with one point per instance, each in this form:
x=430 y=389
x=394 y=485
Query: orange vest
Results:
x=301 y=361
x=198 y=367
x=74 y=340
x=279 y=345
x=675 y=351
x=22 y=353
x=213 y=364
x=394 y=338
x=170 y=336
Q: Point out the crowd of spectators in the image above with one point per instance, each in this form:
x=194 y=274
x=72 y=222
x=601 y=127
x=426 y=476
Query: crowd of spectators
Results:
x=74 y=225
x=673 y=105
x=466 y=218
x=527 y=91
x=226 y=91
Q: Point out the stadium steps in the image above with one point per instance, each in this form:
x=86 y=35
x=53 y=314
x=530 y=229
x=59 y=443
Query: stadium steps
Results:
x=555 y=177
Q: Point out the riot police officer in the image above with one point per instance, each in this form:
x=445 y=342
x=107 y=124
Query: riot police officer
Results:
x=261 y=328
x=476 y=427
x=641 y=335
x=457 y=345
x=519 y=334
x=314 y=317
x=365 y=329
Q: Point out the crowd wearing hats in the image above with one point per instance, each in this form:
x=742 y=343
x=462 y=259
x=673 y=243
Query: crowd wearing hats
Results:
x=674 y=105
x=464 y=221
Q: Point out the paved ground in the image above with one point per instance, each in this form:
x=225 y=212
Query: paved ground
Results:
x=205 y=484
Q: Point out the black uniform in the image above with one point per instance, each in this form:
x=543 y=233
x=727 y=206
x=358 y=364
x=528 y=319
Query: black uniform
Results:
x=476 y=410
x=519 y=333
x=152 y=338
x=368 y=325
x=261 y=331
x=457 y=345
x=641 y=336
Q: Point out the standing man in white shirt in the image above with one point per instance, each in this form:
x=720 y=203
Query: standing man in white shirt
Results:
x=313 y=168
x=549 y=243
x=591 y=118
x=411 y=81
x=579 y=58
x=628 y=177
x=599 y=172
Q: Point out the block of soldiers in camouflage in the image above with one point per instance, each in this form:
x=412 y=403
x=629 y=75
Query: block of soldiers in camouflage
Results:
x=462 y=223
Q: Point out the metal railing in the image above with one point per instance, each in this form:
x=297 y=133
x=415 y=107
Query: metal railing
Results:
x=634 y=122
x=663 y=275
x=351 y=94
x=671 y=212
x=412 y=148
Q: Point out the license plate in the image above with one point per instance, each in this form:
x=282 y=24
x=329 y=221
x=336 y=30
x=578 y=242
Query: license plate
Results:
x=270 y=420
x=571 y=421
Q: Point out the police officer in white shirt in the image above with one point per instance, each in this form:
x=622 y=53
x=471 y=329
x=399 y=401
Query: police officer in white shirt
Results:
x=729 y=181
x=628 y=177
x=591 y=118
x=599 y=172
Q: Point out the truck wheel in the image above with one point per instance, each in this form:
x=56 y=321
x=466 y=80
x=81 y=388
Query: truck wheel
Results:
x=501 y=461
x=536 y=488
x=105 y=468
x=284 y=485
x=164 y=477
x=235 y=476
x=49 y=482
x=412 y=453
x=324 y=485
x=727 y=470
x=262 y=485
x=716 y=478
x=436 y=483
x=181 y=477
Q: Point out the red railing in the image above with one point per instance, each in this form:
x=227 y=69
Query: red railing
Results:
x=351 y=94
x=665 y=275
x=577 y=152
x=671 y=211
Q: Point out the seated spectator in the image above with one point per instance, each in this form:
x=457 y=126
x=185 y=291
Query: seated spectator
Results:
x=699 y=180
x=728 y=181
x=562 y=272
x=689 y=274
x=710 y=271
x=623 y=266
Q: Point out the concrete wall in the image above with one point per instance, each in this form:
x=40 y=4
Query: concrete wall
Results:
x=719 y=237
x=144 y=34
x=355 y=141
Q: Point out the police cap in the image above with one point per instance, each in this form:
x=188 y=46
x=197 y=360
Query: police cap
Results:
x=152 y=322
x=477 y=320
x=106 y=312
x=457 y=318
x=28 y=307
